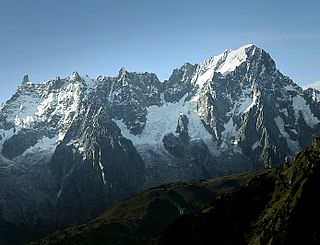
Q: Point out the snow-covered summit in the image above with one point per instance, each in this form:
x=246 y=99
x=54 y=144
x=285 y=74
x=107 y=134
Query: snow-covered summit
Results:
x=46 y=109
x=220 y=98
x=314 y=85
x=223 y=63
x=231 y=59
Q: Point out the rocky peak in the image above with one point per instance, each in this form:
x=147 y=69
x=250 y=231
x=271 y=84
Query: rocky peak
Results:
x=313 y=93
x=25 y=80
x=260 y=62
x=182 y=127
x=54 y=84
x=179 y=83
x=138 y=80
x=102 y=78
x=75 y=76
x=122 y=76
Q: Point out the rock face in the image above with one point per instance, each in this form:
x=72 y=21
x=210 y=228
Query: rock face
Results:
x=76 y=145
x=270 y=206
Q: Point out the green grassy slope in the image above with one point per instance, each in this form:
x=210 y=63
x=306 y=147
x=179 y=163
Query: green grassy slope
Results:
x=280 y=207
x=142 y=217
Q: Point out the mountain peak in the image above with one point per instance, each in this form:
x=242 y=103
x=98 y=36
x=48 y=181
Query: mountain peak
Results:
x=247 y=46
x=75 y=76
x=244 y=51
x=25 y=80
x=122 y=73
x=230 y=59
x=123 y=70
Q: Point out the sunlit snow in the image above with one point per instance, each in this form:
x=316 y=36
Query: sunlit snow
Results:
x=300 y=105
x=162 y=120
x=293 y=145
x=44 y=145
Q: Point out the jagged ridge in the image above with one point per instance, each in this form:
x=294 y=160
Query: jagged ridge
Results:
x=231 y=113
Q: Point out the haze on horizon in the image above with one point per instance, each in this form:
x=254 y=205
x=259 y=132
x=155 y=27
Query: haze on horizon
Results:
x=48 y=38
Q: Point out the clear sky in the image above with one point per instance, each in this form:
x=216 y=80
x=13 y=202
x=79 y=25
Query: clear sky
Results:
x=48 y=38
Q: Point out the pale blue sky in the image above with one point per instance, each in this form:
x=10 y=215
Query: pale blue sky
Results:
x=48 y=38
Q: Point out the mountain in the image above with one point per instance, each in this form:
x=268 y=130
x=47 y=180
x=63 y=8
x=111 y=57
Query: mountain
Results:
x=71 y=147
x=275 y=206
x=142 y=217
x=290 y=215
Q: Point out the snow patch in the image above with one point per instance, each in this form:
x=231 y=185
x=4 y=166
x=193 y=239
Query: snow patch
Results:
x=90 y=83
x=300 y=105
x=316 y=95
x=204 y=77
x=230 y=130
x=290 y=88
x=162 y=120
x=22 y=111
x=293 y=145
x=252 y=104
x=223 y=63
x=5 y=135
x=71 y=142
x=234 y=59
x=229 y=137
x=315 y=85
x=103 y=175
x=244 y=104
x=62 y=104
x=44 y=145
